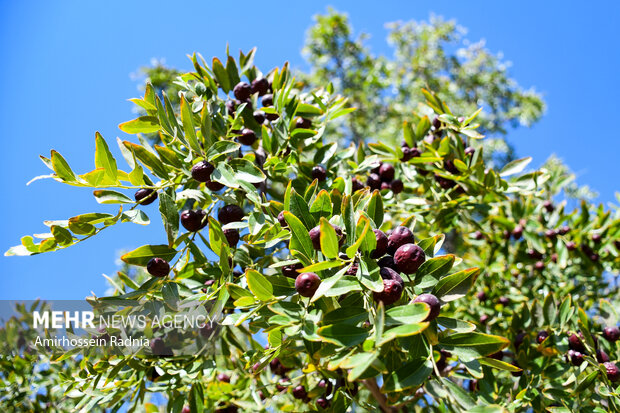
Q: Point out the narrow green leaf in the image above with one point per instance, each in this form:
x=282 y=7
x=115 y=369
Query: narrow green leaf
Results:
x=300 y=240
x=329 y=239
x=143 y=124
x=259 y=285
x=104 y=158
x=141 y=255
x=105 y=196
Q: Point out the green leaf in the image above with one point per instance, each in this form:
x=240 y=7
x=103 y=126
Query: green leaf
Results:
x=247 y=171
x=307 y=110
x=549 y=310
x=358 y=364
x=224 y=174
x=105 y=196
x=515 y=166
x=148 y=158
x=343 y=286
x=141 y=255
x=344 y=335
x=220 y=148
x=169 y=215
x=143 y=124
x=136 y=216
x=300 y=240
x=299 y=207
x=329 y=239
x=322 y=205
x=369 y=275
x=458 y=326
x=411 y=374
x=473 y=345
x=62 y=168
x=349 y=315
x=320 y=266
x=375 y=208
x=259 y=285
x=459 y=394
x=456 y=285
x=435 y=267
x=170 y=294
x=352 y=250
x=498 y=364
x=104 y=158
x=407 y=314
x=327 y=284
x=221 y=75
x=231 y=69
x=62 y=235
x=402 y=331
x=188 y=126
x=196 y=398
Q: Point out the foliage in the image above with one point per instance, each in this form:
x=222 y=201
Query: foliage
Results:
x=503 y=253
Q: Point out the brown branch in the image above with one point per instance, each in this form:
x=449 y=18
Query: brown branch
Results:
x=371 y=384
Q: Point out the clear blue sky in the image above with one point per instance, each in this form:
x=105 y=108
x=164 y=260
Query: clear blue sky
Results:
x=66 y=67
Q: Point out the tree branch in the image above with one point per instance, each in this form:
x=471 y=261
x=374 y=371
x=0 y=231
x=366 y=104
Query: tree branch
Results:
x=371 y=384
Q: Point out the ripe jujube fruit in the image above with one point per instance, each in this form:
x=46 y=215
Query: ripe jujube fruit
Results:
x=214 y=185
x=158 y=267
x=259 y=116
x=299 y=392
x=201 y=172
x=319 y=172
x=159 y=347
x=230 y=213
x=611 y=334
x=303 y=123
x=548 y=205
x=315 y=236
x=193 y=219
x=444 y=183
x=575 y=357
x=575 y=343
x=373 y=181
x=145 y=196
x=382 y=244
x=469 y=151
x=223 y=377
x=242 y=90
x=392 y=290
x=260 y=85
x=539 y=265
x=282 y=220
x=247 y=137
x=232 y=236
x=385 y=185
x=352 y=270
x=613 y=374
x=399 y=237
x=356 y=185
x=448 y=165
x=542 y=336
x=409 y=258
x=267 y=101
x=388 y=262
x=503 y=301
x=386 y=172
x=290 y=270
x=326 y=385
x=397 y=186
x=389 y=274
x=307 y=283
x=433 y=303
x=231 y=106
x=322 y=403
x=601 y=356
x=484 y=318
x=517 y=232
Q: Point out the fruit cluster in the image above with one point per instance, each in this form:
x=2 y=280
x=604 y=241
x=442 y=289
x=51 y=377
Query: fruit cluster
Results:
x=381 y=177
